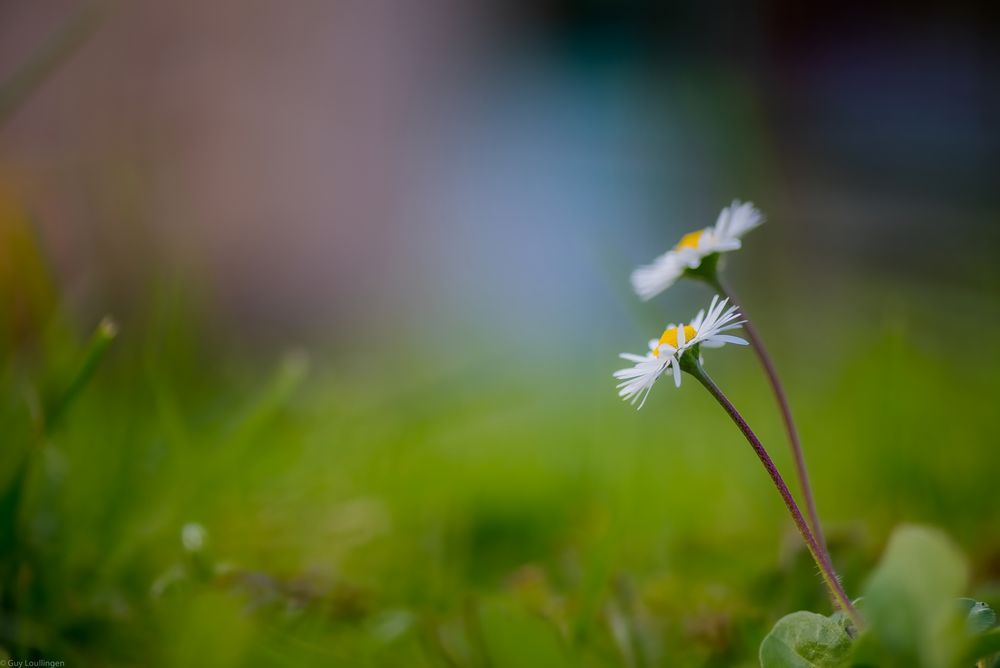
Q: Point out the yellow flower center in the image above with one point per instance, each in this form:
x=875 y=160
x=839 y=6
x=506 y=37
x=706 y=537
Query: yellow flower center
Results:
x=690 y=240
x=669 y=337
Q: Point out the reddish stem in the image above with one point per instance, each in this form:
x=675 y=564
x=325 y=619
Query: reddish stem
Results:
x=840 y=598
x=802 y=472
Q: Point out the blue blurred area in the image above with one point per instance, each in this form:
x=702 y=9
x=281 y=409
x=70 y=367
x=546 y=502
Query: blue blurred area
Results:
x=335 y=168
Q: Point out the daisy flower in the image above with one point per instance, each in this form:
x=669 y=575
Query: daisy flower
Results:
x=734 y=221
x=707 y=329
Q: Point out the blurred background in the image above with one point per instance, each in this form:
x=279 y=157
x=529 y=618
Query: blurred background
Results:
x=368 y=263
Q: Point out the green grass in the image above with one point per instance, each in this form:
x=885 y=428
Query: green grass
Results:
x=401 y=507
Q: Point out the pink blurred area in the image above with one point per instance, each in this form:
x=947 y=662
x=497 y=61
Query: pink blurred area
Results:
x=365 y=166
x=263 y=149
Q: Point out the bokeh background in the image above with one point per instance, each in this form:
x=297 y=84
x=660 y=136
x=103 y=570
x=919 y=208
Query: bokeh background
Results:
x=369 y=262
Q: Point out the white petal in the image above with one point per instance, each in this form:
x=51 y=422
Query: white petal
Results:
x=725 y=338
x=652 y=279
x=736 y=220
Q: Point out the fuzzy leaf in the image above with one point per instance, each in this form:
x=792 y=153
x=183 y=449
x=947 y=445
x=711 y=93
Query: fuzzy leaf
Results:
x=909 y=599
x=805 y=640
x=979 y=616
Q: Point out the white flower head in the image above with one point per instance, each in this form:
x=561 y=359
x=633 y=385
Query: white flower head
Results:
x=734 y=221
x=706 y=329
x=193 y=537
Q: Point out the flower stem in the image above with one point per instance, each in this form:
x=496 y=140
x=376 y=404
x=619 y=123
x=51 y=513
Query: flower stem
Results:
x=690 y=364
x=801 y=471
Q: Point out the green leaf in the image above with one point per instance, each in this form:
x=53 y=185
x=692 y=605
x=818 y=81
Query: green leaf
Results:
x=909 y=599
x=805 y=640
x=983 y=646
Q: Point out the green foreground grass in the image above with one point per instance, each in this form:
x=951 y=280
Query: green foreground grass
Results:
x=407 y=509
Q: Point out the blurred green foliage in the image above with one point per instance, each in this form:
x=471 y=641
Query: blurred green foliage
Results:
x=913 y=616
x=200 y=502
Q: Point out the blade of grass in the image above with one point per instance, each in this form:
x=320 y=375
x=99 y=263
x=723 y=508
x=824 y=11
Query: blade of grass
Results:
x=292 y=370
x=48 y=57
x=104 y=334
